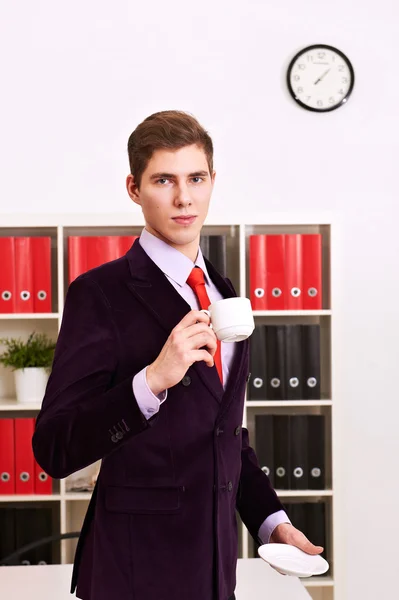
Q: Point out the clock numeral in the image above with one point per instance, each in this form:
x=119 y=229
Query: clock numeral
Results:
x=301 y=67
x=299 y=90
x=310 y=58
x=341 y=91
x=308 y=98
x=333 y=57
x=331 y=100
x=341 y=68
x=320 y=103
x=345 y=80
x=296 y=78
x=321 y=55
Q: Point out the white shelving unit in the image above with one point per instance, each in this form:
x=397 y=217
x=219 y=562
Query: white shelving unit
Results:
x=72 y=506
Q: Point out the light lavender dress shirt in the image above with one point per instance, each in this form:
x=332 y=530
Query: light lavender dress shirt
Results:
x=177 y=267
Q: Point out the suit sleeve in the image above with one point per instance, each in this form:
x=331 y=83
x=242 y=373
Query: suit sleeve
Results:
x=256 y=499
x=85 y=415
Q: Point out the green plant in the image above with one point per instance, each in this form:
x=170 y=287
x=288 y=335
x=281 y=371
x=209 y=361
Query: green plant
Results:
x=38 y=351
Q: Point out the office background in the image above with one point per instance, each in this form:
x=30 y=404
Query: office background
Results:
x=78 y=77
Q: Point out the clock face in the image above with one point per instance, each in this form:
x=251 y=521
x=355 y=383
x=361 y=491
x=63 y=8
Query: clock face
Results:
x=320 y=78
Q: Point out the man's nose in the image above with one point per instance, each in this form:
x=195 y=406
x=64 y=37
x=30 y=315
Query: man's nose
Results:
x=182 y=197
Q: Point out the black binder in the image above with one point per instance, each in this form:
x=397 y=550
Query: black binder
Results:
x=275 y=356
x=298 y=452
x=204 y=245
x=316 y=452
x=265 y=444
x=7 y=532
x=281 y=452
x=316 y=525
x=311 y=362
x=297 y=515
x=33 y=524
x=213 y=247
x=310 y=518
x=257 y=346
x=293 y=362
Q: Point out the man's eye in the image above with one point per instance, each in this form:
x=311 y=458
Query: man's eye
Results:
x=162 y=179
x=197 y=179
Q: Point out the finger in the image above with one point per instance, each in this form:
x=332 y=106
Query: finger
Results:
x=192 y=317
x=198 y=328
x=198 y=355
x=198 y=332
x=302 y=542
x=204 y=339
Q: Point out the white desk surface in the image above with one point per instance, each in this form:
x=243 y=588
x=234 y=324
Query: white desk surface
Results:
x=255 y=581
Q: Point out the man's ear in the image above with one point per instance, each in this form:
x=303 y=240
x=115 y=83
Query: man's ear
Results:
x=132 y=189
x=213 y=177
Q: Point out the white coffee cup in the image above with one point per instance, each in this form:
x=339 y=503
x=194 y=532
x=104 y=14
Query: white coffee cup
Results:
x=231 y=319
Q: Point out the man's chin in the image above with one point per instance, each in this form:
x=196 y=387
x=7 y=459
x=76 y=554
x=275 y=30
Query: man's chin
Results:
x=181 y=237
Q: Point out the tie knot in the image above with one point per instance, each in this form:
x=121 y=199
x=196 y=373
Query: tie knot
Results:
x=196 y=277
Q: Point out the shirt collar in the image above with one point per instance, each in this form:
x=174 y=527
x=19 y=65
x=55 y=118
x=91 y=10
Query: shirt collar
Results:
x=172 y=263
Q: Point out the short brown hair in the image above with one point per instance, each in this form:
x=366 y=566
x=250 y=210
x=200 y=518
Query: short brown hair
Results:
x=171 y=129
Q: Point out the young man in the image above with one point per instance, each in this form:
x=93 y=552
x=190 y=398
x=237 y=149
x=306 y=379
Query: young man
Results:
x=140 y=381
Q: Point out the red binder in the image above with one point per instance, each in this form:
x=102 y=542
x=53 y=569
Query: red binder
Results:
x=257 y=271
x=125 y=243
x=41 y=258
x=24 y=459
x=43 y=482
x=7 y=457
x=94 y=251
x=7 y=275
x=293 y=272
x=312 y=271
x=109 y=248
x=76 y=256
x=23 y=275
x=275 y=258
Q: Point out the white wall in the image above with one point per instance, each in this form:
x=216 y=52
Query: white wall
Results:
x=77 y=77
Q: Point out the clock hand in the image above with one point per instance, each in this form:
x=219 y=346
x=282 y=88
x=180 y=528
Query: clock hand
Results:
x=322 y=76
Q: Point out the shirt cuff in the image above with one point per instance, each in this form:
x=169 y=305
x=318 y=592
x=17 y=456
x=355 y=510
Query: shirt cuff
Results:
x=147 y=401
x=270 y=524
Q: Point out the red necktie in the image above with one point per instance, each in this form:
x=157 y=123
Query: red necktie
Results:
x=196 y=281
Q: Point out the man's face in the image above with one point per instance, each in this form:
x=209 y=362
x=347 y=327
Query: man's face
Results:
x=176 y=183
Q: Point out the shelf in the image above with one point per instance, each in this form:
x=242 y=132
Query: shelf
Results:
x=274 y=403
x=30 y=498
x=30 y=316
x=304 y=493
x=292 y=313
x=72 y=505
x=318 y=582
x=9 y=404
x=77 y=496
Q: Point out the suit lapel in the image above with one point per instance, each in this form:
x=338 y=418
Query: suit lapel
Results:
x=158 y=296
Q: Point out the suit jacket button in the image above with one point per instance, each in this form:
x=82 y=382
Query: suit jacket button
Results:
x=119 y=435
x=114 y=439
x=186 y=380
x=237 y=430
x=229 y=486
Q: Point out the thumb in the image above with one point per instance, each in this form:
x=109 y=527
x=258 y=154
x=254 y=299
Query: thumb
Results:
x=304 y=544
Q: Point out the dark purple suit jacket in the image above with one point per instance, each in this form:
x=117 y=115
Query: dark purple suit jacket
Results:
x=161 y=524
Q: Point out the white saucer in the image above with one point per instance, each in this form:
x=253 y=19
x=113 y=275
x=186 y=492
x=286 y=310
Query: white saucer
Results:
x=292 y=561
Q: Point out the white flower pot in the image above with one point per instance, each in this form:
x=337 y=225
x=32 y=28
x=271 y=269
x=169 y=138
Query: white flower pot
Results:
x=30 y=384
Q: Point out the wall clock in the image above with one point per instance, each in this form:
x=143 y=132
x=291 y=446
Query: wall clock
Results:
x=320 y=78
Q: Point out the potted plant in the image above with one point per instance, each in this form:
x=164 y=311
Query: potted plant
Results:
x=31 y=362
